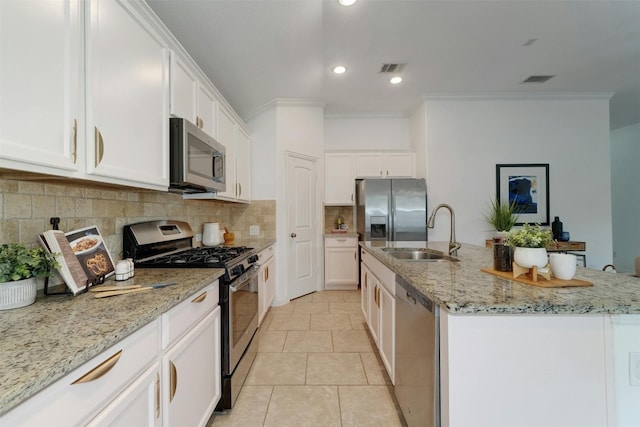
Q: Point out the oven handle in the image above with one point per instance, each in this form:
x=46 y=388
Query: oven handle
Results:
x=245 y=279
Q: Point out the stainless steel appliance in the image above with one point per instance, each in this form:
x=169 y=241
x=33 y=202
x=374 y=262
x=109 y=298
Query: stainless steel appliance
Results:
x=417 y=374
x=197 y=161
x=169 y=244
x=391 y=209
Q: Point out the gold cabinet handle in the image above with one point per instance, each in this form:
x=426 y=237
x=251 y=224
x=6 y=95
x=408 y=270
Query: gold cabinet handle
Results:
x=99 y=146
x=200 y=297
x=267 y=272
x=157 y=395
x=365 y=280
x=99 y=370
x=240 y=186
x=173 y=380
x=354 y=254
x=75 y=140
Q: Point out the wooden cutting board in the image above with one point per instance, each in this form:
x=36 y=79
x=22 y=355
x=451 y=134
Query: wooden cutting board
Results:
x=542 y=282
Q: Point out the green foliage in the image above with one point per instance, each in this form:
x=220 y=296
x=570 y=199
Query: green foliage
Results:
x=501 y=215
x=18 y=262
x=530 y=237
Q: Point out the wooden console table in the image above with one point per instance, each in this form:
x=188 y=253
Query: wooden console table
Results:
x=576 y=248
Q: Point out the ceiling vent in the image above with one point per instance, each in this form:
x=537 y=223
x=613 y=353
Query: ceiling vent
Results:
x=537 y=79
x=392 y=68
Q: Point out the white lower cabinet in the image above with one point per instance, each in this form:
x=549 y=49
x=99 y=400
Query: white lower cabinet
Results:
x=191 y=364
x=340 y=263
x=191 y=372
x=379 y=307
x=97 y=387
x=266 y=281
x=138 y=405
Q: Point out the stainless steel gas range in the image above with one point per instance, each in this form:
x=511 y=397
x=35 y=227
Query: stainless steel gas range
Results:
x=169 y=244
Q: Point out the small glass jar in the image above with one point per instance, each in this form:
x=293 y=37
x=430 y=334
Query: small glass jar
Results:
x=122 y=270
x=502 y=255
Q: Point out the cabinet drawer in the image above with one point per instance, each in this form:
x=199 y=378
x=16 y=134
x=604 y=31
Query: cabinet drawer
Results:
x=181 y=318
x=266 y=254
x=340 y=242
x=80 y=394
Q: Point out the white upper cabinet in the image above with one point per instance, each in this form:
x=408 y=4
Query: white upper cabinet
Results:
x=340 y=177
x=237 y=158
x=127 y=92
x=41 y=116
x=385 y=165
x=190 y=98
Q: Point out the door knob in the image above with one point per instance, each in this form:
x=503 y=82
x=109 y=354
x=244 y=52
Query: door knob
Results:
x=293 y=234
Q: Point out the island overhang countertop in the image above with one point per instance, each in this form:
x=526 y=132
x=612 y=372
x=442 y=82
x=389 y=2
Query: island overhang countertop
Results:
x=461 y=287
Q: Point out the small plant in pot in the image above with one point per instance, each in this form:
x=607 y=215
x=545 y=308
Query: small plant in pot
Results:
x=20 y=267
x=501 y=215
x=530 y=244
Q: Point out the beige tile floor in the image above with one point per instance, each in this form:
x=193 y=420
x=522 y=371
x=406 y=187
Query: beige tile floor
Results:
x=316 y=366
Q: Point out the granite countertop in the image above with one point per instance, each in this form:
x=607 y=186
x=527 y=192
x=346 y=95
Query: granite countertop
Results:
x=48 y=339
x=257 y=243
x=461 y=287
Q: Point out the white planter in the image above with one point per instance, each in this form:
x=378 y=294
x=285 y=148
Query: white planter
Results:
x=528 y=257
x=563 y=266
x=18 y=294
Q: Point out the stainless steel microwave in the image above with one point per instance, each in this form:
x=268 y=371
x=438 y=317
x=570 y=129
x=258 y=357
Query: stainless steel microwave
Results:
x=197 y=161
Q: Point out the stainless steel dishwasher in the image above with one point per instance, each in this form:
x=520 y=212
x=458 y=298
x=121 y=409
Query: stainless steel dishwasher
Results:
x=417 y=387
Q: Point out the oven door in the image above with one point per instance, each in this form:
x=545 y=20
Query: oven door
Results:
x=243 y=315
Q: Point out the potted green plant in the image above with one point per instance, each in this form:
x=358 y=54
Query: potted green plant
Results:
x=501 y=215
x=530 y=244
x=20 y=267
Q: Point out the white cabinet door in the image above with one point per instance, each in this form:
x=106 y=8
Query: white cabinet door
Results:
x=271 y=283
x=364 y=291
x=127 y=86
x=41 y=86
x=340 y=177
x=207 y=110
x=243 y=165
x=138 y=405
x=227 y=137
x=341 y=263
x=184 y=90
x=374 y=308
x=266 y=287
x=191 y=372
x=386 y=333
x=385 y=165
x=399 y=165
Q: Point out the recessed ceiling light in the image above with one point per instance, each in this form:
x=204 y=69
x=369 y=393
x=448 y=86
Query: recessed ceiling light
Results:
x=395 y=80
x=347 y=2
x=339 y=69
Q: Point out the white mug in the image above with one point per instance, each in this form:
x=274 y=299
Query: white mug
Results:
x=211 y=234
x=563 y=266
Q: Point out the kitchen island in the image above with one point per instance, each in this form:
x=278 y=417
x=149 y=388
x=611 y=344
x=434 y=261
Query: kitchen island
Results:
x=512 y=354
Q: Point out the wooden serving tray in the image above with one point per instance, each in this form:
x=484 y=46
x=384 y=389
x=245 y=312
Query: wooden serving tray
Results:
x=542 y=282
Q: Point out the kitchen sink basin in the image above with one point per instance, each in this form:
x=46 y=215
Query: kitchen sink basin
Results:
x=418 y=254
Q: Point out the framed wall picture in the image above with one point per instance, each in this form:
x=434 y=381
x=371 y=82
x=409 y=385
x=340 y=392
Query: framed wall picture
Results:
x=526 y=185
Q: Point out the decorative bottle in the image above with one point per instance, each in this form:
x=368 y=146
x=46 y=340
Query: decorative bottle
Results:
x=556 y=228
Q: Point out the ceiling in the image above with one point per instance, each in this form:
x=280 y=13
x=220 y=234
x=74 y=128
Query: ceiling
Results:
x=255 y=51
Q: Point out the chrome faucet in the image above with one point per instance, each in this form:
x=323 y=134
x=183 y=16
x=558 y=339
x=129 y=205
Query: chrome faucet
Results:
x=453 y=245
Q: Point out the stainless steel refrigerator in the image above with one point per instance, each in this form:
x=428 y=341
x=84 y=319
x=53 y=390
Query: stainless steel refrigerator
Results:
x=391 y=209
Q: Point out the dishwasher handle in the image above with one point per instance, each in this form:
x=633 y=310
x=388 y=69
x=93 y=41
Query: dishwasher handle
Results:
x=405 y=294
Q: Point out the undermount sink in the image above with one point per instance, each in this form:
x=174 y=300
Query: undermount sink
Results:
x=418 y=254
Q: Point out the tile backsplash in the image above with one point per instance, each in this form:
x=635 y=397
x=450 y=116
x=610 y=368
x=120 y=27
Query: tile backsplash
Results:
x=332 y=212
x=26 y=207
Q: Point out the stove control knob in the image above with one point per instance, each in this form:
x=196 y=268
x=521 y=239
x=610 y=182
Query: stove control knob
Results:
x=253 y=258
x=237 y=270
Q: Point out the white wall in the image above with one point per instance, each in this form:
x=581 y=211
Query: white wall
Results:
x=625 y=340
x=467 y=137
x=263 y=155
x=366 y=133
x=625 y=193
x=417 y=136
x=288 y=126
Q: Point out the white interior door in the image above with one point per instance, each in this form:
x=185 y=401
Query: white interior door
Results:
x=302 y=248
